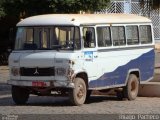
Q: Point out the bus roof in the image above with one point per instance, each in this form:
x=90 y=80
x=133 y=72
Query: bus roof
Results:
x=82 y=19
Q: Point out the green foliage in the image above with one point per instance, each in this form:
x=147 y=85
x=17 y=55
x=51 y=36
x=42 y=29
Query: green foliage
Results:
x=2 y=13
x=74 y=6
x=25 y=8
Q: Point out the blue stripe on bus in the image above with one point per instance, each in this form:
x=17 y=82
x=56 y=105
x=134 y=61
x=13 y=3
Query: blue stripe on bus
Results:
x=145 y=63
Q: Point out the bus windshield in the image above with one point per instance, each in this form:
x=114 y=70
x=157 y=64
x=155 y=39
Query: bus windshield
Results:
x=48 y=38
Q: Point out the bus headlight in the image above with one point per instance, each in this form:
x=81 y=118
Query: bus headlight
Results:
x=15 y=71
x=60 y=71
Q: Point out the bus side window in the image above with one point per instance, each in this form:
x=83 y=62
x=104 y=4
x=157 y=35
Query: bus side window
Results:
x=145 y=34
x=89 y=37
x=132 y=35
x=104 y=36
x=118 y=35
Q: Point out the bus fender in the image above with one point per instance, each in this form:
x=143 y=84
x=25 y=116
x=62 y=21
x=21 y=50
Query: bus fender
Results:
x=78 y=73
x=135 y=71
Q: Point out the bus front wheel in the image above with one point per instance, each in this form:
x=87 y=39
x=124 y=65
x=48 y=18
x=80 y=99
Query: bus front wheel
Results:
x=20 y=95
x=78 y=93
x=131 y=89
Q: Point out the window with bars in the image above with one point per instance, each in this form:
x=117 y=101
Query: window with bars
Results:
x=118 y=35
x=145 y=34
x=132 y=35
x=104 y=36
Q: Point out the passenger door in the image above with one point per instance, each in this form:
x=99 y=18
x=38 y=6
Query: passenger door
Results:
x=90 y=52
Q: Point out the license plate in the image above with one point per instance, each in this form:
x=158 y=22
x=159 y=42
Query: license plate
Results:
x=39 y=84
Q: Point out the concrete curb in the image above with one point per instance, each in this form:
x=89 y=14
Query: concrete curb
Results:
x=157 y=46
x=150 y=89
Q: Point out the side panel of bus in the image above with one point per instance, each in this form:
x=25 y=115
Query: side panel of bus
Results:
x=115 y=69
x=131 y=52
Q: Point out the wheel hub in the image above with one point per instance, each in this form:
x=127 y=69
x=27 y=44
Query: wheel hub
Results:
x=80 y=93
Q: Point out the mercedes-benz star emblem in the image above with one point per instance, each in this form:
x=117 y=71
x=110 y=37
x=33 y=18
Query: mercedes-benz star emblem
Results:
x=36 y=72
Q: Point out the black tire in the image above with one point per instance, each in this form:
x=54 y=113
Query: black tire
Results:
x=131 y=90
x=78 y=94
x=20 y=95
x=89 y=92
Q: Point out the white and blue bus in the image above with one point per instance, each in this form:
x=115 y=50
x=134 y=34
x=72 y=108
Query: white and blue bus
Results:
x=73 y=54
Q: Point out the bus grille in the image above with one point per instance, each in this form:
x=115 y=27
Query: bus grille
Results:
x=37 y=71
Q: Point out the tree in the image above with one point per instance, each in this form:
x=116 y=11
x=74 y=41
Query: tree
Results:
x=74 y=6
x=151 y=4
x=2 y=13
x=26 y=8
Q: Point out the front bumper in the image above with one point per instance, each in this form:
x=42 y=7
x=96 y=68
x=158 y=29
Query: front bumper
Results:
x=53 y=83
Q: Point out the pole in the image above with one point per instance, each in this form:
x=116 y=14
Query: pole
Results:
x=127 y=6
